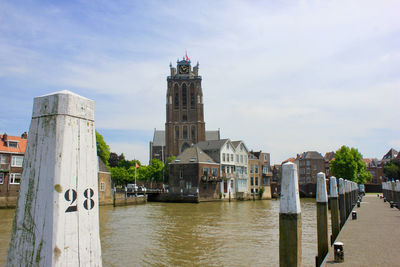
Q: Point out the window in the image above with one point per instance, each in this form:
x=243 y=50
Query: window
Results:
x=185 y=132
x=264 y=181
x=315 y=167
x=237 y=158
x=232 y=157
x=184 y=96
x=176 y=132
x=241 y=158
x=12 y=144
x=214 y=172
x=227 y=157
x=307 y=163
x=265 y=157
x=256 y=190
x=205 y=171
x=102 y=186
x=251 y=181
x=181 y=174
x=251 y=168
x=256 y=179
x=193 y=132
x=308 y=171
x=3 y=159
x=1 y=177
x=223 y=156
x=188 y=185
x=16 y=161
x=192 y=96
x=15 y=178
x=256 y=168
x=245 y=170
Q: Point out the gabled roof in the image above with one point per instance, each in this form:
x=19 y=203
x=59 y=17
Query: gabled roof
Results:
x=212 y=135
x=159 y=138
x=102 y=166
x=311 y=155
x=292 y=160
x=193 y=154
x=17 y=150
x=391 y=154
x=237 y=143
x=329 y=156
x=212 y=144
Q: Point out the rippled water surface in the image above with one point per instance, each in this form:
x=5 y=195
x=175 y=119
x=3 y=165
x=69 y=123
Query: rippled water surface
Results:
x=206 y=234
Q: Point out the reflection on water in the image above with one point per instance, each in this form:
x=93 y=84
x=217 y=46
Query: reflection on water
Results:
x=205 y=234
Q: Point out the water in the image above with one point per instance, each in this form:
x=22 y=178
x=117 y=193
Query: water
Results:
x=206 y=234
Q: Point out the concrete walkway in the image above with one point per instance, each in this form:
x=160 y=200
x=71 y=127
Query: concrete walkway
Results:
x=373 y=239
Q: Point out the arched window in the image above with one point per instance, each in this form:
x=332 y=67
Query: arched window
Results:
x=192 y=104
x=176 y=132
x=185 y=132
x=176 y=97
x=193 y=132
x=184 y=96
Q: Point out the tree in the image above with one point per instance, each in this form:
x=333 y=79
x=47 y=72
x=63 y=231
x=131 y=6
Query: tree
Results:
x=392 y=170
x=103 y=150
x=120 y=176
x=113 y=160
x=348 y=164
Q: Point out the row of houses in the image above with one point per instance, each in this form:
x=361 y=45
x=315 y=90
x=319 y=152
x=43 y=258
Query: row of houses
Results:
x=219 y=169
x=12 y=150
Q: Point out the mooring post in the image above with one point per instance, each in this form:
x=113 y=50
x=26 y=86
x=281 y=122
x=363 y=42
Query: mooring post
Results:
x=322 y=218
x=334 y=208
x=57 y=219
x=384 y=191
x=347 y=197
x=342 y=206
x=392 y=188
x=397 y=193
x=289 y=218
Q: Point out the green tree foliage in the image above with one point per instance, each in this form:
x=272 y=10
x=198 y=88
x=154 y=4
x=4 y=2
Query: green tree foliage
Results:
x=120 y=176
x=392 y=170
x=103 y=150
x=348 y=164
x=113 y=160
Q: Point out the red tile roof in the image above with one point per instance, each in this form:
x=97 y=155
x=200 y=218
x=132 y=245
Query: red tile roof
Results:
x=292 y=160
x=18 y=150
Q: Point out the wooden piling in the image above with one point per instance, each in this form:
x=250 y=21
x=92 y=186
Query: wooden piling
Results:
x=322 y=218
x=342 y=205
x=57 y=220
x=334 y=208
x=397 y=193
x=347 y=197
x=289 y=218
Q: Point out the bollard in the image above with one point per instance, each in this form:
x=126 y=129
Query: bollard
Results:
x=347 y=197
x=342 y=206
x=334 y=208
x=289 y=218
x=322 y=218
x=339 y=251
x=57 y=219
x=397 y=194
x=354 y=215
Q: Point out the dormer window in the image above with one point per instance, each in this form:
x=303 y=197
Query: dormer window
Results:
x=13 y=144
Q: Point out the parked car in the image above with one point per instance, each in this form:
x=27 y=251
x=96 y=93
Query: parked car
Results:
x=131 y=188
x=142 y=189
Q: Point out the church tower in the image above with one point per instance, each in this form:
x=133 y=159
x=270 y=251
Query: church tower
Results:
x=185 y=117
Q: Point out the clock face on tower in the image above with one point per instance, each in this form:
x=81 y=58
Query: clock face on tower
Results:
x=183 y=69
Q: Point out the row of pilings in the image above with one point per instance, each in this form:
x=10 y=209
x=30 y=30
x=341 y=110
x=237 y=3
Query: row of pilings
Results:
x=391 y=193
x=343 y=196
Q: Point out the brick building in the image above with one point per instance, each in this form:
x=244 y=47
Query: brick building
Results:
x=193 y=177
x=309 y=164
x=12 y=150
x=260 y=173
x=375 y=167
x=105 y=190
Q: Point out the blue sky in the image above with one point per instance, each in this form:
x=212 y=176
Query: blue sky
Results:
x=284 y=76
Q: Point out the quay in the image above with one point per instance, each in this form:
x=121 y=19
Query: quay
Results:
x=373 y=238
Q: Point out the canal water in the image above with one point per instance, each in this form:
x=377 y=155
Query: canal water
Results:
x=242 y=233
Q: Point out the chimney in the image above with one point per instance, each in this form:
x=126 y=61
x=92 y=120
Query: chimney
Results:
x=24 y=135
x=5 y=137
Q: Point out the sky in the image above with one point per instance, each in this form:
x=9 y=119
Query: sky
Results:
x=283 y=76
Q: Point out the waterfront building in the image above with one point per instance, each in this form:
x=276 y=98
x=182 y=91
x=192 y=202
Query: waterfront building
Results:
x=193 y=177
x=390 y=155
x=309 y=164
x=329 y=156
x=260 y=174
x=105 y=183
x=241 y=169
x=12 y=150
x=375 y=168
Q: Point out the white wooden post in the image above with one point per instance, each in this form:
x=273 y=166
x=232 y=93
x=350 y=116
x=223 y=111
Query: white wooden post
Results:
x=57 y=218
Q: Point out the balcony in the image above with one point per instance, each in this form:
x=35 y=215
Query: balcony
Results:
x=5 y=167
